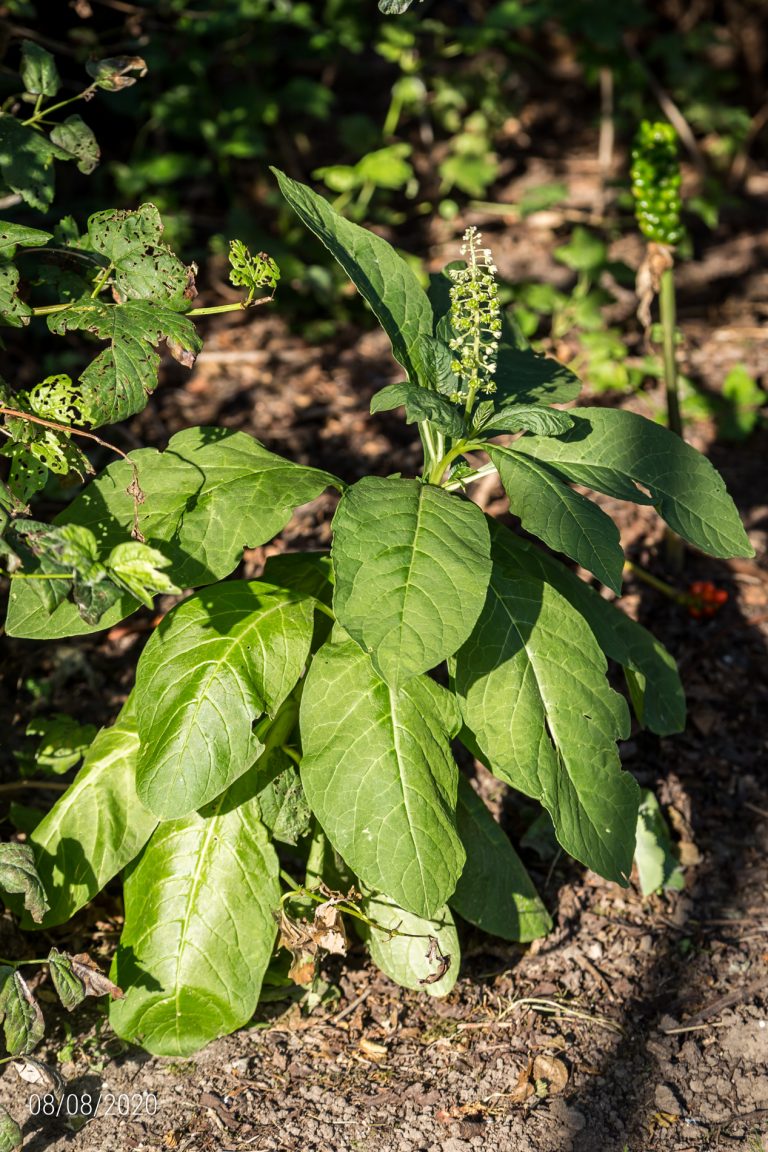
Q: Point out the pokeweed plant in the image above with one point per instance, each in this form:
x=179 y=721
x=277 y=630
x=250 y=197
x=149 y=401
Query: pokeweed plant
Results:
x=290 y=742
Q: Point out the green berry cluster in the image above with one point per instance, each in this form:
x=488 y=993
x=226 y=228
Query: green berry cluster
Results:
x=475 y=319
x=656 y=183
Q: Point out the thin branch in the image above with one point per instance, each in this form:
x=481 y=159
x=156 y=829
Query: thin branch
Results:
x=134 y=488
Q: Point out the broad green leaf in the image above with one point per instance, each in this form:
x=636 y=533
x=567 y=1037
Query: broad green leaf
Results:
x=532 y=688
x=378 y=773
x=422 y=557
x=382 y=277
x=11 y=1137
x=621 y=638
x=143 y=267
x=74 y=135
x=524 y=376
x=199 y=928
x=118 y=383
x=26 y=162
x=494 y=891
x=39 y=73
x=62 y=742
x=96 y=827
x=216 y=664
x=565 y=520
x=23 y=1021
x=535 y=418
x=613 y=451
x=657 y=866
x=211 y=494
x=11 y=235
x=423 y=949
x=421 y=404
x=137 y=568
x=18 y=874
x=310 y=573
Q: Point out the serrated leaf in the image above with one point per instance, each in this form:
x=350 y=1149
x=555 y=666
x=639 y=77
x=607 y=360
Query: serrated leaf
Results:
x=199 y=928
x=11 y=235
x=421 y=404
x=118 y=383
x=423 y=949
x=39 y=73
x=383 y=278
x=11 y=1137
x=211 y=494
x=535 y=418
x=143 y=267
x=18 y=874
x=423 y=557
x=74 y=136
x=14 y=311
x=23 y=1023
x=96 y=827
x=555 y=736
x=216 y=664
x=565 y=520
x=613 y=451
x=378 y=773
x=621 y=638
x=26 y=162
x=494 y=891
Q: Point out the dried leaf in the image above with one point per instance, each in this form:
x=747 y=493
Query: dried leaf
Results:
x=434 y=955
x=523 y=1088
x=551 y=1071
x=304 y=967
x=33 y=1071
x=372 y=1050
x=94 y=981
x=328 y=930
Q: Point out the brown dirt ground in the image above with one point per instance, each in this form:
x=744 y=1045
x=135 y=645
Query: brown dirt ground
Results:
x=656 y=1010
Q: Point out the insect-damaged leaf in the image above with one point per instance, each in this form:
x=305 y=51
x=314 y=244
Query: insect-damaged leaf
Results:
x=119 y=381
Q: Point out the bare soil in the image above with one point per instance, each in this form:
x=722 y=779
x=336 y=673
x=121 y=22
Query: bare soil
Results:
x=638 y=1024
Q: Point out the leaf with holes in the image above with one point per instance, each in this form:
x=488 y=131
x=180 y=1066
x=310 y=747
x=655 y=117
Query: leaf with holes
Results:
x=142 y=267
x=75 y=137
x=119 y=381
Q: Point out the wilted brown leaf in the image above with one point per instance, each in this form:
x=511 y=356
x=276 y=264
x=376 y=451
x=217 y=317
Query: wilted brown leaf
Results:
x=435 y=956
x=94 y=981
x=551 y=1071
x=523 y=1088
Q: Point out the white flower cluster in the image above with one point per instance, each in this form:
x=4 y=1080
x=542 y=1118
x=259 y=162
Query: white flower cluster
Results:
x=475 y=319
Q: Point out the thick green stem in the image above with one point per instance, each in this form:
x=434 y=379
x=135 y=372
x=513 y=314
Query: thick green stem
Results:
x=668 y=309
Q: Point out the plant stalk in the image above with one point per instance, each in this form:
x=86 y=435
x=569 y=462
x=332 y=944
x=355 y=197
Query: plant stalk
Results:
x=668 y=312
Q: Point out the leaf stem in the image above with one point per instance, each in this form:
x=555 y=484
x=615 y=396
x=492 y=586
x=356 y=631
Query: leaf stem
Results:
x=454 y=485
x=40 y=114
x=56 y=785
x=241 y=306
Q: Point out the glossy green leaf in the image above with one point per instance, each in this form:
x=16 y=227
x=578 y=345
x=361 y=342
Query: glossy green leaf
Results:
x=18 y=874
x=74 y=135
x=421 y=404
x=378 y=773
x=535 y=418
x=657 y=866
x=494 y=891
x=137 y=568
x=282 y=803
x=211 y=494
x=382 y=277
x=565 y=520
x=662 y=701
x=422 y=557
x=524 y=376
x=39 y=73
x=118 y=383
x=310 y=573
x=532 y=688
x=613 y=451
x=199 y=928
x=424 y=948
x=23 y=1021
x=216 y=664
x=96 y=827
